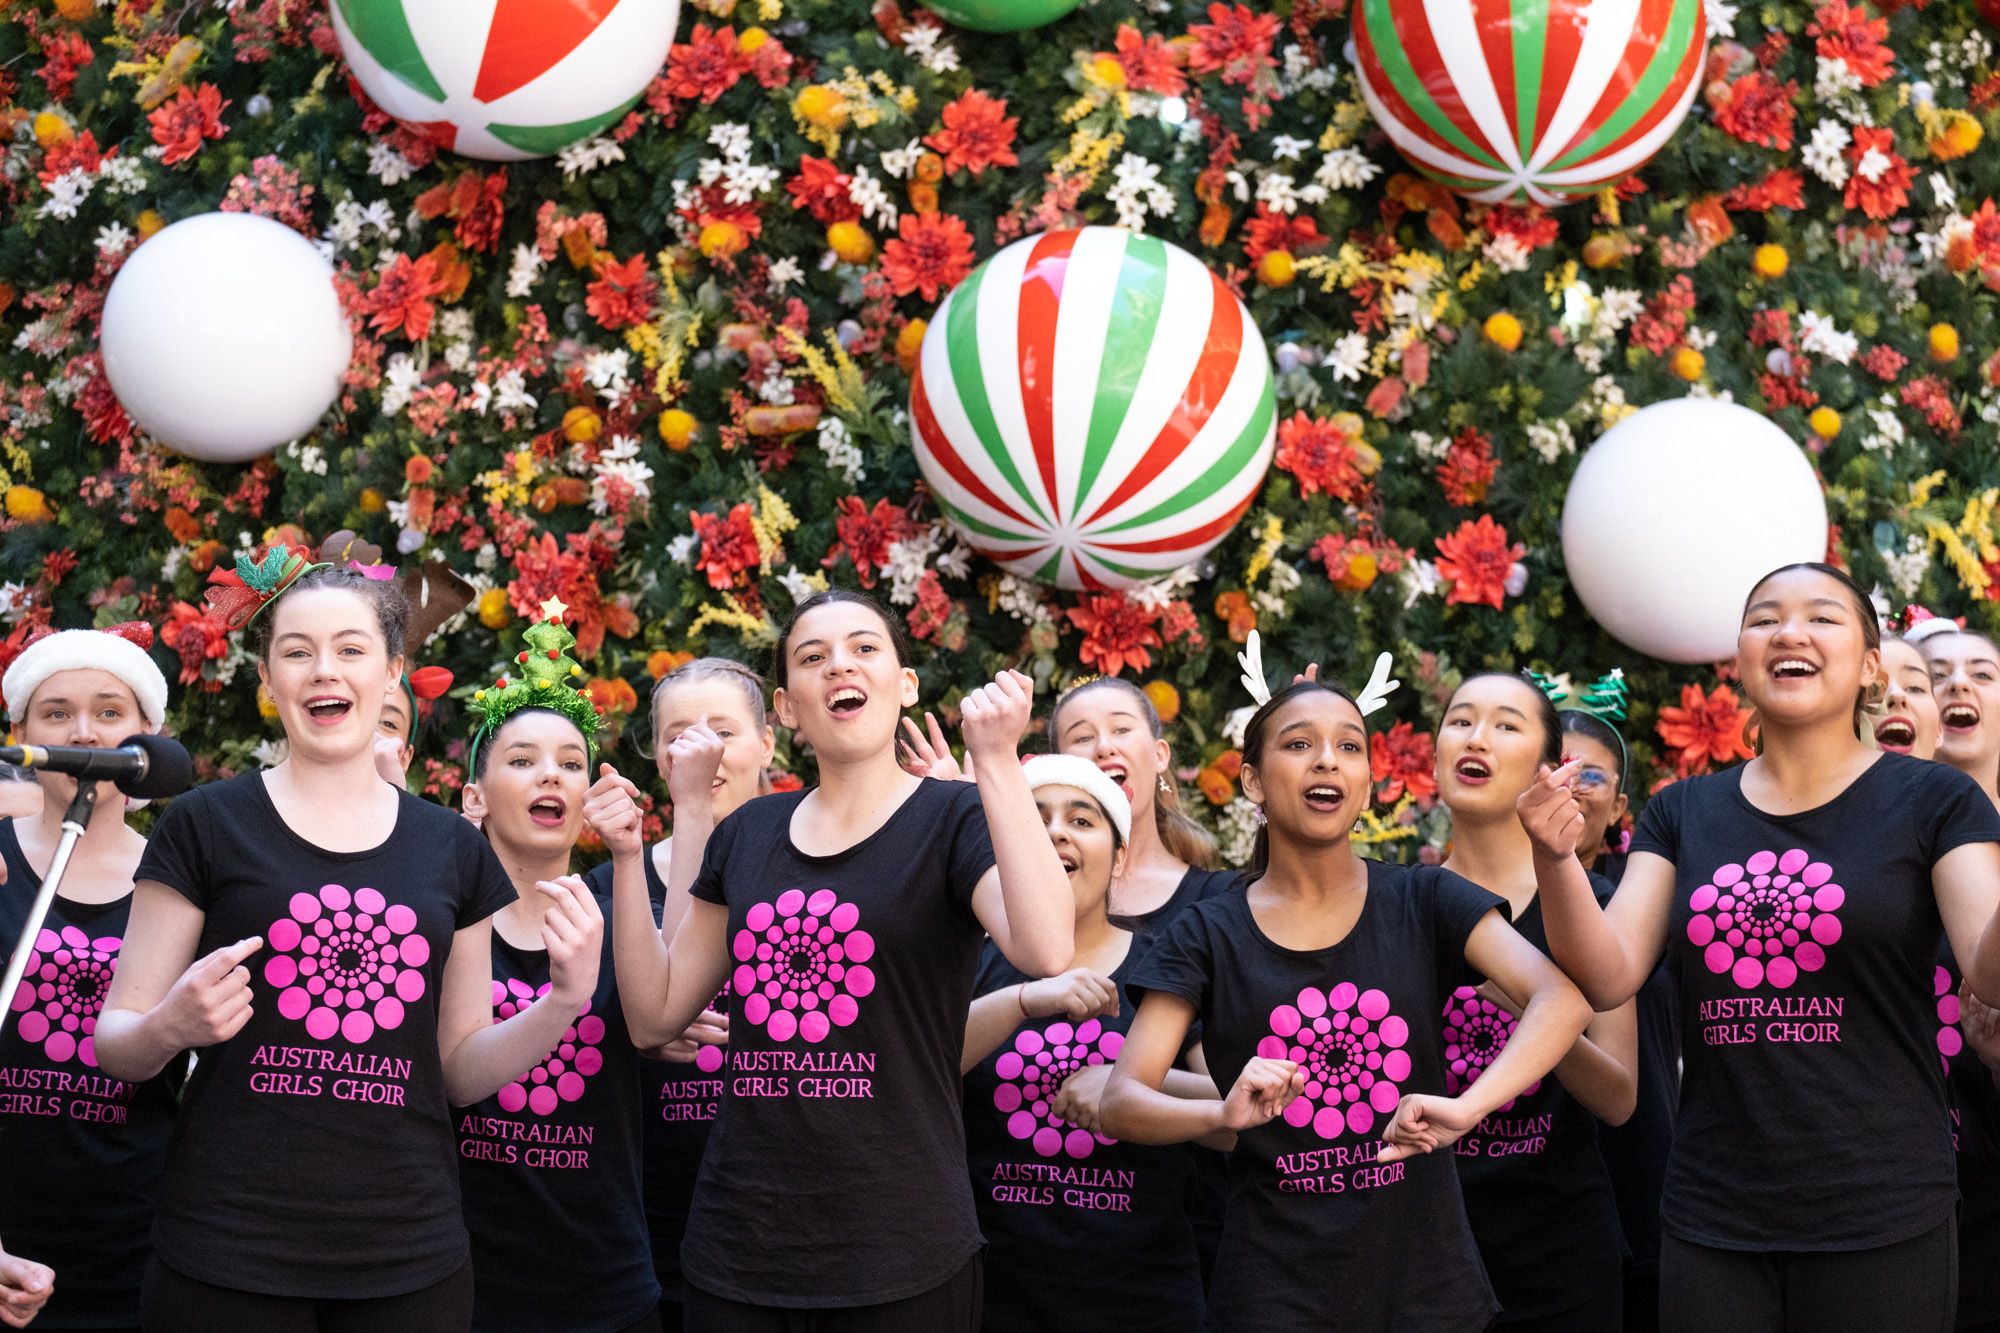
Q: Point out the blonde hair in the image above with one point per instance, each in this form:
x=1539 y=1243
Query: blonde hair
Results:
x=717 y=668
x=1179 y=833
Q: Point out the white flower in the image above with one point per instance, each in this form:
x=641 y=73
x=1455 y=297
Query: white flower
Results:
x=122 y=175
x=681 y=547
x=13 y=598
x=1818 y=333
x=1239 y=825
x=869 y=196
x=512 y=391
x=1278 y=192
x=1551 y=439
x=521 y=274
x=732 y=138
x=841 y=453
x=1825 y=155
x=1700 y=339
x=900 y=162
x=784 y=272
x=606 y=371
x=1618 y=307
x=1721 y=17
x=400 y=381
x=1420 y=579
x=1349 y=356
x=1136 y=192
x=1020 y=599
x=1834 y=80
x=1942 y=193
x=1907 y=569
x=1286 y=148
x=1888 y=432
x=1346 y=169
x=620 y=461
x=1506 y=253
x=112 y=238
x=907 y=562
x=580 y=159
x=926 y=45
x=310 y=459
x=1429 y=447
x=1233 y=724
x=387 y=165
x=479 y=397
x=270 y=753
x=66 y=194
x=1154 y=594
x=798 y=586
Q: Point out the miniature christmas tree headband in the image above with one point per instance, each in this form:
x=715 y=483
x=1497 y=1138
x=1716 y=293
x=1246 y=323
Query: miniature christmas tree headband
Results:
x=547 y=681
x=1605 y=699
x=241 y=592
x=1373 y=695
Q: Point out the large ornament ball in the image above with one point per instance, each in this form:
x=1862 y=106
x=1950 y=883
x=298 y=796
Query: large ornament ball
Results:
x=1673 y=516
x=506 y=80
x=1093 y=408
x=1538 y=100
x=224 y=338
x=1001 y=15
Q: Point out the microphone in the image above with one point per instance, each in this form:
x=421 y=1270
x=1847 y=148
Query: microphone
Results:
x=148 y=767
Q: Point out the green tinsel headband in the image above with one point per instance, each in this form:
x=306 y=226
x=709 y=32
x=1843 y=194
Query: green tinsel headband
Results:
x=547 y=681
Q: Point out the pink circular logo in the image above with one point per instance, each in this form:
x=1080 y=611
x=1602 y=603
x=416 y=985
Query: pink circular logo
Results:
x=61 y=991
x=1350 y=1048
x=1033 y=1072
x=1475 y=1032
x=346 y=962
x=1950 y=1041
x=1768 y=919
x=708 y=1059
x=801 y=965
x=560 y=1076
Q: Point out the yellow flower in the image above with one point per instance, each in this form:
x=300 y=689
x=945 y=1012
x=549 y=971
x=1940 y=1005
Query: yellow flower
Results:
x=1166 y=699
x=493 y=610
x=372 y=501
x=25 y=504
x=1277 y=269
x=1825 y=422
x=719 y=240
x=148 y=224
x=52 y=131
x=910 y=342
x=751 y=39
x=1502 y=330
x=850 y=242
x=677 y=429
x=1944 y=342
x=1956 y=135
x=581 y=425
x=267 y=707
x=821 y=107
x=1106 y=72
x=1770 y=261
x=1688 y=364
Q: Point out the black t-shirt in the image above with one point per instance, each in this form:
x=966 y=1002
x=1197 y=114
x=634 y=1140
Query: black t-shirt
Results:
x=1975 y=1128
x=81 y=1153
x=840 y=1147
x=314 y=1154
x=1812 y=1113
x=1195 y=886
x=678 y=1103
x=1536 y=1190
x=1319 y=1235
x=1082 y=1231
x=550 y=1166
x=1636 y=1151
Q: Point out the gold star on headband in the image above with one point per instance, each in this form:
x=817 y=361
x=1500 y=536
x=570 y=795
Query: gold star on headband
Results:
x=553 y=609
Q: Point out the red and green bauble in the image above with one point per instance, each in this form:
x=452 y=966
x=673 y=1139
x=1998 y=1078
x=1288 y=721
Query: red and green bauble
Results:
x=1001 y=15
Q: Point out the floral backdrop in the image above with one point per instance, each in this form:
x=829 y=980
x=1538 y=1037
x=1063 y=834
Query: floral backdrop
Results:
x=663 y=376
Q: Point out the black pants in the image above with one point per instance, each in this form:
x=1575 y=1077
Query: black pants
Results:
x=950 y=1308
x=1602 y=1313
x=1642 y=1303
x=173 y=1302
x=1911 y=1286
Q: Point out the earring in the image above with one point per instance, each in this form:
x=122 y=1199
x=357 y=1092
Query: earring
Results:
x=1166 y=788
x=1257 y=812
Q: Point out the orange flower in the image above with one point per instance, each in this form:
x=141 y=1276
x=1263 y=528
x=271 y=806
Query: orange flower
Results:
x=1238 y=613
x=931 y=253
x=978 y=133
x=1477 y=560
x=1117 y=632
x=1217 y=786
x=1706 y=729
x=1402 y=760
x=612 y=696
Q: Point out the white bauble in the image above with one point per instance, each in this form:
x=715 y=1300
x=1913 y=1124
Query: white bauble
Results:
x=223 y=336
x=1673 y=516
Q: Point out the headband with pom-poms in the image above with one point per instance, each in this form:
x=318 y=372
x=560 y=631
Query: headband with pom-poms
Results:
x=239 y=593
x=547 y=680
x=1918 y=623
x=1371 y=698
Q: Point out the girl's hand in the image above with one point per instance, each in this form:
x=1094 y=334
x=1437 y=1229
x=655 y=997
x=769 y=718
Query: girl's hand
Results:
x=929 y=756
x=710 y=1029
x=1081 y=1098
x=25 y=1287
x=573 y=933
x=211 y=1001
x=1424 y=1123
x=611 y=809
x=389 y=760
x=994 y=717
x=693 y=760
x=1549 y=812
x=1261 y=1093
x=1979 y=1022
x=1077 y=994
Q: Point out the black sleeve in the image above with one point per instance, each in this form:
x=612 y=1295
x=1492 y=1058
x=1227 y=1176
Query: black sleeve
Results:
x=1961 y=813
x=971 y=845
x=175 y=853
x=1659 y=830
x=709 y=883
x=484 y=885
x=1457 y=907
x=1180 y=962
x=995 y=972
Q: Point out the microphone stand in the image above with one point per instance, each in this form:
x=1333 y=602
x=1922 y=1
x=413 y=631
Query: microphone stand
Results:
x=75 y=820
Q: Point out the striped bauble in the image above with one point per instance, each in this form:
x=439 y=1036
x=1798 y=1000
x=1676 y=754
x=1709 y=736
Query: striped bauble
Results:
x=1542 y=100
x=1093 y=408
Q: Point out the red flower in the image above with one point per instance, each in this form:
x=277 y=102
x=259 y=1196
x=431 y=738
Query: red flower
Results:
x=402 y=297
x=821 y=188
x=1705 y=729
x=473 y=202
x=1402 y=759
x=1150 y=65
x=933 y=614
x=622 y=296
x=1530 y=225
x=1928 y=395
x=978 y=133
x=1117 y=632
x=196 y=638
x=728 y=545
x=1468 y=467
x=707 y=65
x=865 y=535
x=1758 y=109
x=80 y=154
x=1880 y=183
x=1783 y=188
x=1325 y=455
x=1978 y=246
x=1477 y=560
x=931 y=253
x=180 y=125
x=1883 y=362
x=1268 y=231
x=1234 y=42
x=1660 y=326
x=104 y=416
x=1851 y=37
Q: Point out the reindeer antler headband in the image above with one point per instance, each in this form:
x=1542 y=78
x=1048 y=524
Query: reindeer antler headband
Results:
x=1373 y=695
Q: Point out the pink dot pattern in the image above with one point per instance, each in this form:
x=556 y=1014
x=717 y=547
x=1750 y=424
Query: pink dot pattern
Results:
x=1033 y=1071
x=562 y=1074
x=1767 y=919
x=1476 y=1030
x=62 y=990
x=802 y=965
x=1351 y=1050
x=346 y=962
x=708 y=1059
x=1950 y=1040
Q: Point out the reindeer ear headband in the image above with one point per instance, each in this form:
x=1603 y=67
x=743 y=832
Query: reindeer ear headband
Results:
x=1373 y=695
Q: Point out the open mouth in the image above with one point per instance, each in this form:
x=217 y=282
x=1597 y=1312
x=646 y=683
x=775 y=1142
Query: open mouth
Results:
x=1959 y=717
x=1324 y=797
x=328 y=710
x=1896 y=733
x=1793 y=668
x=845 y=701
x=1117 y=773
x=548 y=811
x=1473 y=770
x=1069 y=863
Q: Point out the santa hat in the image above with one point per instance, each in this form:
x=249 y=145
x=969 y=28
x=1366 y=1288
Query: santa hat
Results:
x=1072 y=770
x=119 y=650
